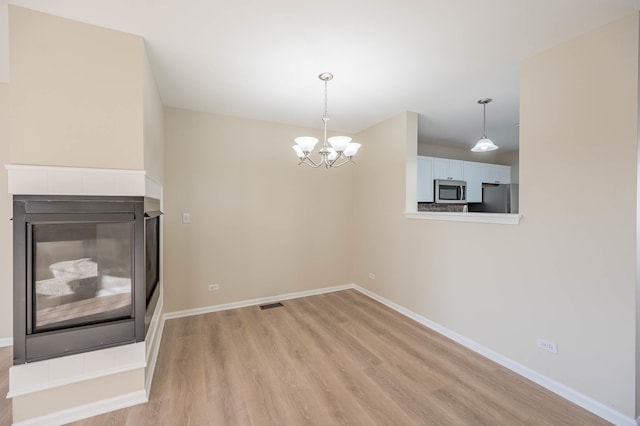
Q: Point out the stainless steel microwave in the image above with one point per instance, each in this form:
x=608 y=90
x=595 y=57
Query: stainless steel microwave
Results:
x=450 y=191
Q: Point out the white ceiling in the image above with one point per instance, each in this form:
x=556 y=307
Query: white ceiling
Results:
x=260 y=59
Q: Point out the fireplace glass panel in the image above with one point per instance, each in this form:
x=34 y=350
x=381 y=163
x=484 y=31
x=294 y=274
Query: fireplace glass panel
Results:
x=82 y=273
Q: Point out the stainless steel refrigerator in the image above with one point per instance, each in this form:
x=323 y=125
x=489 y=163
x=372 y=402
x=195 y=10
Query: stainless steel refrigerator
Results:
x=498 y=199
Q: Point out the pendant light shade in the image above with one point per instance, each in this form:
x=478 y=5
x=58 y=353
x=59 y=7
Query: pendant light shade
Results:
x=484 y=144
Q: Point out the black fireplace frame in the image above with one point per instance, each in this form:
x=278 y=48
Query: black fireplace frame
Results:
x=76 y=339
x=152 y=216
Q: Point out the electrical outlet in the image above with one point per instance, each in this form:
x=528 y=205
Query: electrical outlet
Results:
x=213 y=287
x=548 y=346
x=372 y=276
x=186 y=217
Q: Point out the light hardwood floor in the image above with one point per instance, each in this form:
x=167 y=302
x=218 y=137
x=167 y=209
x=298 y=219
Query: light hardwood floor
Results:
x=338 y=358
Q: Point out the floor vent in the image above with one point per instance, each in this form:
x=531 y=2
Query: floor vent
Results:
x=271 y=305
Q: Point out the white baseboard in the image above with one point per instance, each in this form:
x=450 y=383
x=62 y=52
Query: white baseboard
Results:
x=6 y=341
x=87 y=410
x=253 y=302
x=567 y=393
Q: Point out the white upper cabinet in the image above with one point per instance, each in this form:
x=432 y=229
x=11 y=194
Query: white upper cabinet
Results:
x=503 y=174
x=456 y=169
x=495 y=173
x=473 y=177
x=425 y=179
x=448 y=169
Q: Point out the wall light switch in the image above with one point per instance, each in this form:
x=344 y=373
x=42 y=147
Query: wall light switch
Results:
x=186 y=217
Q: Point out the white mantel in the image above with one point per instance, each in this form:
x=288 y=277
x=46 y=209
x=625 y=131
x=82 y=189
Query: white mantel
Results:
x=55 y=180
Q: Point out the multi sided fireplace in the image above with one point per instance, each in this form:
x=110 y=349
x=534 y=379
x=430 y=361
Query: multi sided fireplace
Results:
x=86 y=271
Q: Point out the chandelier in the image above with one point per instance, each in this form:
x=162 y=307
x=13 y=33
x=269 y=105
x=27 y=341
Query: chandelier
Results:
x=335 y=151
x=484 y=144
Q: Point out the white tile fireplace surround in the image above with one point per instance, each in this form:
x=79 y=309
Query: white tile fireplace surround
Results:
x=65 y=380
x=53 y=180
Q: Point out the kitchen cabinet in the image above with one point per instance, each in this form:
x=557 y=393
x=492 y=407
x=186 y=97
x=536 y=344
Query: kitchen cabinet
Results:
x=503 y=174
x=473 y=177
x=474 y=173
x=425 y=179
x=496 y=173
x=444 y=168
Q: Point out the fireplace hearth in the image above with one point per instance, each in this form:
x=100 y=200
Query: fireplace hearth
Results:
x=85 y=272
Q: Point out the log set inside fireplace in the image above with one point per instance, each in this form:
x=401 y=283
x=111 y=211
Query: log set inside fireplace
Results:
x=86 y=270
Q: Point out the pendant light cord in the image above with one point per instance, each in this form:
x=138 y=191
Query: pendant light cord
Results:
x=484 y=121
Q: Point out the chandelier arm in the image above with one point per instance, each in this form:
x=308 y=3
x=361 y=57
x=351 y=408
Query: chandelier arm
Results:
x=333 y=165
x=309 y=162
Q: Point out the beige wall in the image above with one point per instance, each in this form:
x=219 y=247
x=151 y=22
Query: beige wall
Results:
x=76 y=93
x=153 y=124
x=260 y=224
x=567 y=272
x=6 y=235
x=579 y=102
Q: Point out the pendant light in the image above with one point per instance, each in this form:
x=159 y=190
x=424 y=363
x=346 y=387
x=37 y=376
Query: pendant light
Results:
x=484 y=144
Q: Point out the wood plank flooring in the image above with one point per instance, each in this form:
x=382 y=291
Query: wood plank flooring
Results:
x=337 y=358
